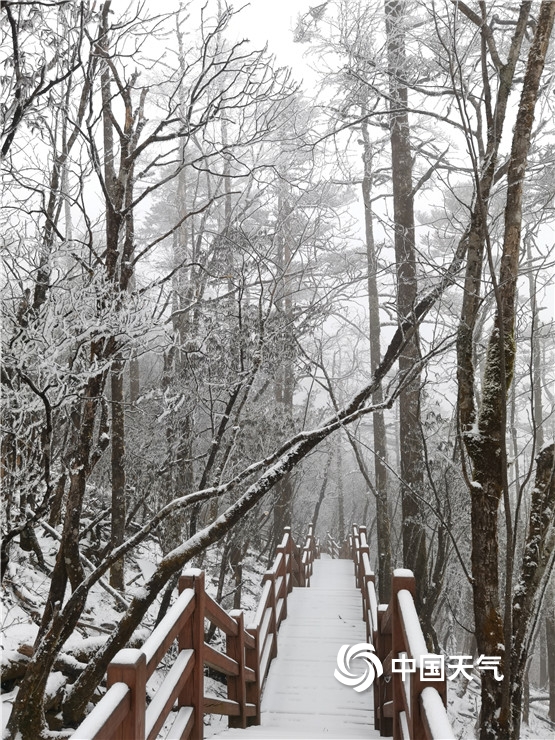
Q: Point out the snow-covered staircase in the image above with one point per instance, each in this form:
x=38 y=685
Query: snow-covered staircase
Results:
x=302 y=699
x=328 y=609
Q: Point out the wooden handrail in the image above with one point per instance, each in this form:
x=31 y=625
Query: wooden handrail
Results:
x=122 y=712
x=108 y=715
x=332 y=547
x=417 y=712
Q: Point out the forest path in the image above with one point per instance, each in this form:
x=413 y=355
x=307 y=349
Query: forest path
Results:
x=302 y=699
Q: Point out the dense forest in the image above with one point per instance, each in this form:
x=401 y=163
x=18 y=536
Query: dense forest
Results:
x=233 y=302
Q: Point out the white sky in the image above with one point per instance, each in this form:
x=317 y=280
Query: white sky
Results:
x=260 y=21
x=273 y=21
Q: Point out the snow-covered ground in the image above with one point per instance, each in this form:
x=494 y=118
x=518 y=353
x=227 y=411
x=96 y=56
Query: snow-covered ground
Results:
x=463 y=713
x=24 y=593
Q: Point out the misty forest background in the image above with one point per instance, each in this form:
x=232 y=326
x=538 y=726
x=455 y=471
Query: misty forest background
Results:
x=234 y=302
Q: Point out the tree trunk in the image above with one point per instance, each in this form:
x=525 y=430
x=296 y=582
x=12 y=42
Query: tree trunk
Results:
x=284 y=384
x=550 y=644
x=117 y=533
x=27 y=716
x=412 y=453
x=536 y=559
x=383 y=524
x=340 y=497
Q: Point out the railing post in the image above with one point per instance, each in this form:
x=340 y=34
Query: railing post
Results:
x=383 y=688
x=308 y=554
x=236 y=686
x=289 y=561
x=282 y=573
x=252 y=659
x=272 y=628
x=356 y=544
x=192 y=637
x=129 y=667
x=359 y=561
x=312 y=546
x=399 y=582
x=297 y=568
x=306 y=565
x=366 y=579
x=363 y=548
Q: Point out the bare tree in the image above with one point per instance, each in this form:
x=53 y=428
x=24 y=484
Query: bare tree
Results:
x=499 y=625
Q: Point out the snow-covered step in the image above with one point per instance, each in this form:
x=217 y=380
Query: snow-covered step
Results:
x=302 y=699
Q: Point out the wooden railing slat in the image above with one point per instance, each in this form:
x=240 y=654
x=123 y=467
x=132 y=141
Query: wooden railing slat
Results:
x=182 y=725
x=249 y=640
x=219 y=705
x=167 y=693
x=262 y=604
x=276 y=565
x=280 y=587
x=280 y=612
x=386 y=624
x=236 y=685
x=373 y=605
x=110 y=712
x=253 y=666
x=414 y=639
x=250 y=675
x=158 y=643
x=218 y=616
x=219 y=661
x=265 y=628
x=404 y=726
x=265 y=660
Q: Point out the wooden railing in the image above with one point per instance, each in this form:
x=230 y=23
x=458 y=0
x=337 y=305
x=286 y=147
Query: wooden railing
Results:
x=332 y=547
x=413 y=708
x=123 y=714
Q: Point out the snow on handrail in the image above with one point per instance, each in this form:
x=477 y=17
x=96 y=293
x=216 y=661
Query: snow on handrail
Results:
x=156 y=645
x=109 y=713
x=435 y=716
x=394 y=630
x=411 y=627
